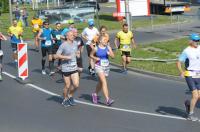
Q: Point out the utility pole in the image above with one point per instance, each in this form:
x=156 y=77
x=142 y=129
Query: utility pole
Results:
x=10 y=11
x=47 y=4
x=127 y=14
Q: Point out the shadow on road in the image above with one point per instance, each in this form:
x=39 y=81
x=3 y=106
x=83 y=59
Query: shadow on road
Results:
x=116 y=70
x=164 y=110
x=94 y=78
x=56 y=99
x=37 y=71
x=86 y=97
x=188 y=92
x=11 y=64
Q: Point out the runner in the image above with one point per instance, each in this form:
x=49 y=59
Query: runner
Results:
x=36 y=25
x=80 y=49
x=15 y=33
x=103 y=33
x=100 y=54
x=56 y=33
x=191 y=56
x=45 y=35
x=88 y=34
x=126 y=43
x=67 y=52
x=71 y=26
x=2 y=37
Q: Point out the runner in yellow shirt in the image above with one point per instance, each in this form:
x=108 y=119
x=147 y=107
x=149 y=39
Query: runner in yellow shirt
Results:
x=126 y=43
x=15 y=33
x=36 y=24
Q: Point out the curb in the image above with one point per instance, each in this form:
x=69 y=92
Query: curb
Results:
x=154 y=74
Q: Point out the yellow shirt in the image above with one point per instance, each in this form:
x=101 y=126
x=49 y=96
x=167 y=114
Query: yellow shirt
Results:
x=125 y=40
x=15 y=30
x=36 y=23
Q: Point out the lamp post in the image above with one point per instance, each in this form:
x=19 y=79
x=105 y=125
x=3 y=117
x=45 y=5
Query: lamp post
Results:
x=97 y=15
x=127 y=14
x=10 y=11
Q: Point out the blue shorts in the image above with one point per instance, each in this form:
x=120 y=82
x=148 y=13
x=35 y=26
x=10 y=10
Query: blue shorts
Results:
x=14 y=47
x=193 y=83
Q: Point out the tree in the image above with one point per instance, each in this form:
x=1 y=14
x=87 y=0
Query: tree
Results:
x=4 y=5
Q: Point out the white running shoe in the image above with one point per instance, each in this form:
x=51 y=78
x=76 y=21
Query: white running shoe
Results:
x=44 y=72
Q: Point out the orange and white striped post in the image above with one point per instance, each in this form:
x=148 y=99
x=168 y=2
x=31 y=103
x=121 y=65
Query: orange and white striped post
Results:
x=22 y=61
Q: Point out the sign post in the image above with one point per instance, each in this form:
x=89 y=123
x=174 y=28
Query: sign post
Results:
x=22 y=61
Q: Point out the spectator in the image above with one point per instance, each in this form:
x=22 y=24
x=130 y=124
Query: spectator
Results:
x=25 y=16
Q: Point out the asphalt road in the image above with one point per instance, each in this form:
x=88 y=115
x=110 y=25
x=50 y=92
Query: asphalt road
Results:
x=142 y=103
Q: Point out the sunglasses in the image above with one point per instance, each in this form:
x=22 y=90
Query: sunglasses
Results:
x=196 y=40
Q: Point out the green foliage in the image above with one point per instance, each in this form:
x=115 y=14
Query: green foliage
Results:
x=160 y=50
x=4 y=5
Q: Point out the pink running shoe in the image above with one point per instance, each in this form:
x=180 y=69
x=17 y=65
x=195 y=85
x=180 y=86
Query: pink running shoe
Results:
x=94 y=98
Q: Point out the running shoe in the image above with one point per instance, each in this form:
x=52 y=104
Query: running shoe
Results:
x=51 y=73
x=44 y=72
x=92 y=72
x=191 y=117
x=72 y=102
x=1 y=77
x=187 y=106
x=124 y=71
x=109 y=102
x=94 y=98
x=66 y=103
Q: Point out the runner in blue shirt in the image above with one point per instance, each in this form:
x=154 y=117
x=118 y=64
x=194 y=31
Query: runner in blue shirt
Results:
x=45 y=35
x=101 y=54
x=56 y=33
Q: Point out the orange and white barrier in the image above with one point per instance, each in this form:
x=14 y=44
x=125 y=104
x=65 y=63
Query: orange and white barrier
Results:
x=22 y=61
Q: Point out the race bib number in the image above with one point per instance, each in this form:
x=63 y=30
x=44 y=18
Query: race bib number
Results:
x=36 y=26
x=48 y=43
x=1 y=52
x=126 y=47
x=104 y=62
x=58 y=37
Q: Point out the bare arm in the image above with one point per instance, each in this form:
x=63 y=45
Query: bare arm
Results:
x=110 y=52
x=2 y=37
x=84 y=37
x=178 y=65
x=39 y=34
x=133 y=43
x=92 y=55
x=62 y=57
x=116 y=42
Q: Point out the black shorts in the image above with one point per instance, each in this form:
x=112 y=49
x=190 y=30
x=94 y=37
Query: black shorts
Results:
x=55 y=48
x=193 y=83
x=89 y=50
x=46 y=50
x=67 y=74
x=1 y=59
x=126 y=53
x=14 y=47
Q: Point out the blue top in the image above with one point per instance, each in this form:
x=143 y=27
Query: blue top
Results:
x=46 y=33
x=102 y=54
x=14 y=40
x=56 y=35
x=65 y=30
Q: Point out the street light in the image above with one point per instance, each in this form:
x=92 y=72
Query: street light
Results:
x=97 y=15
x=127 y=14
x=10 y=11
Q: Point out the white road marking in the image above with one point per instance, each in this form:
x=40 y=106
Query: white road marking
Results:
x=100 y=106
